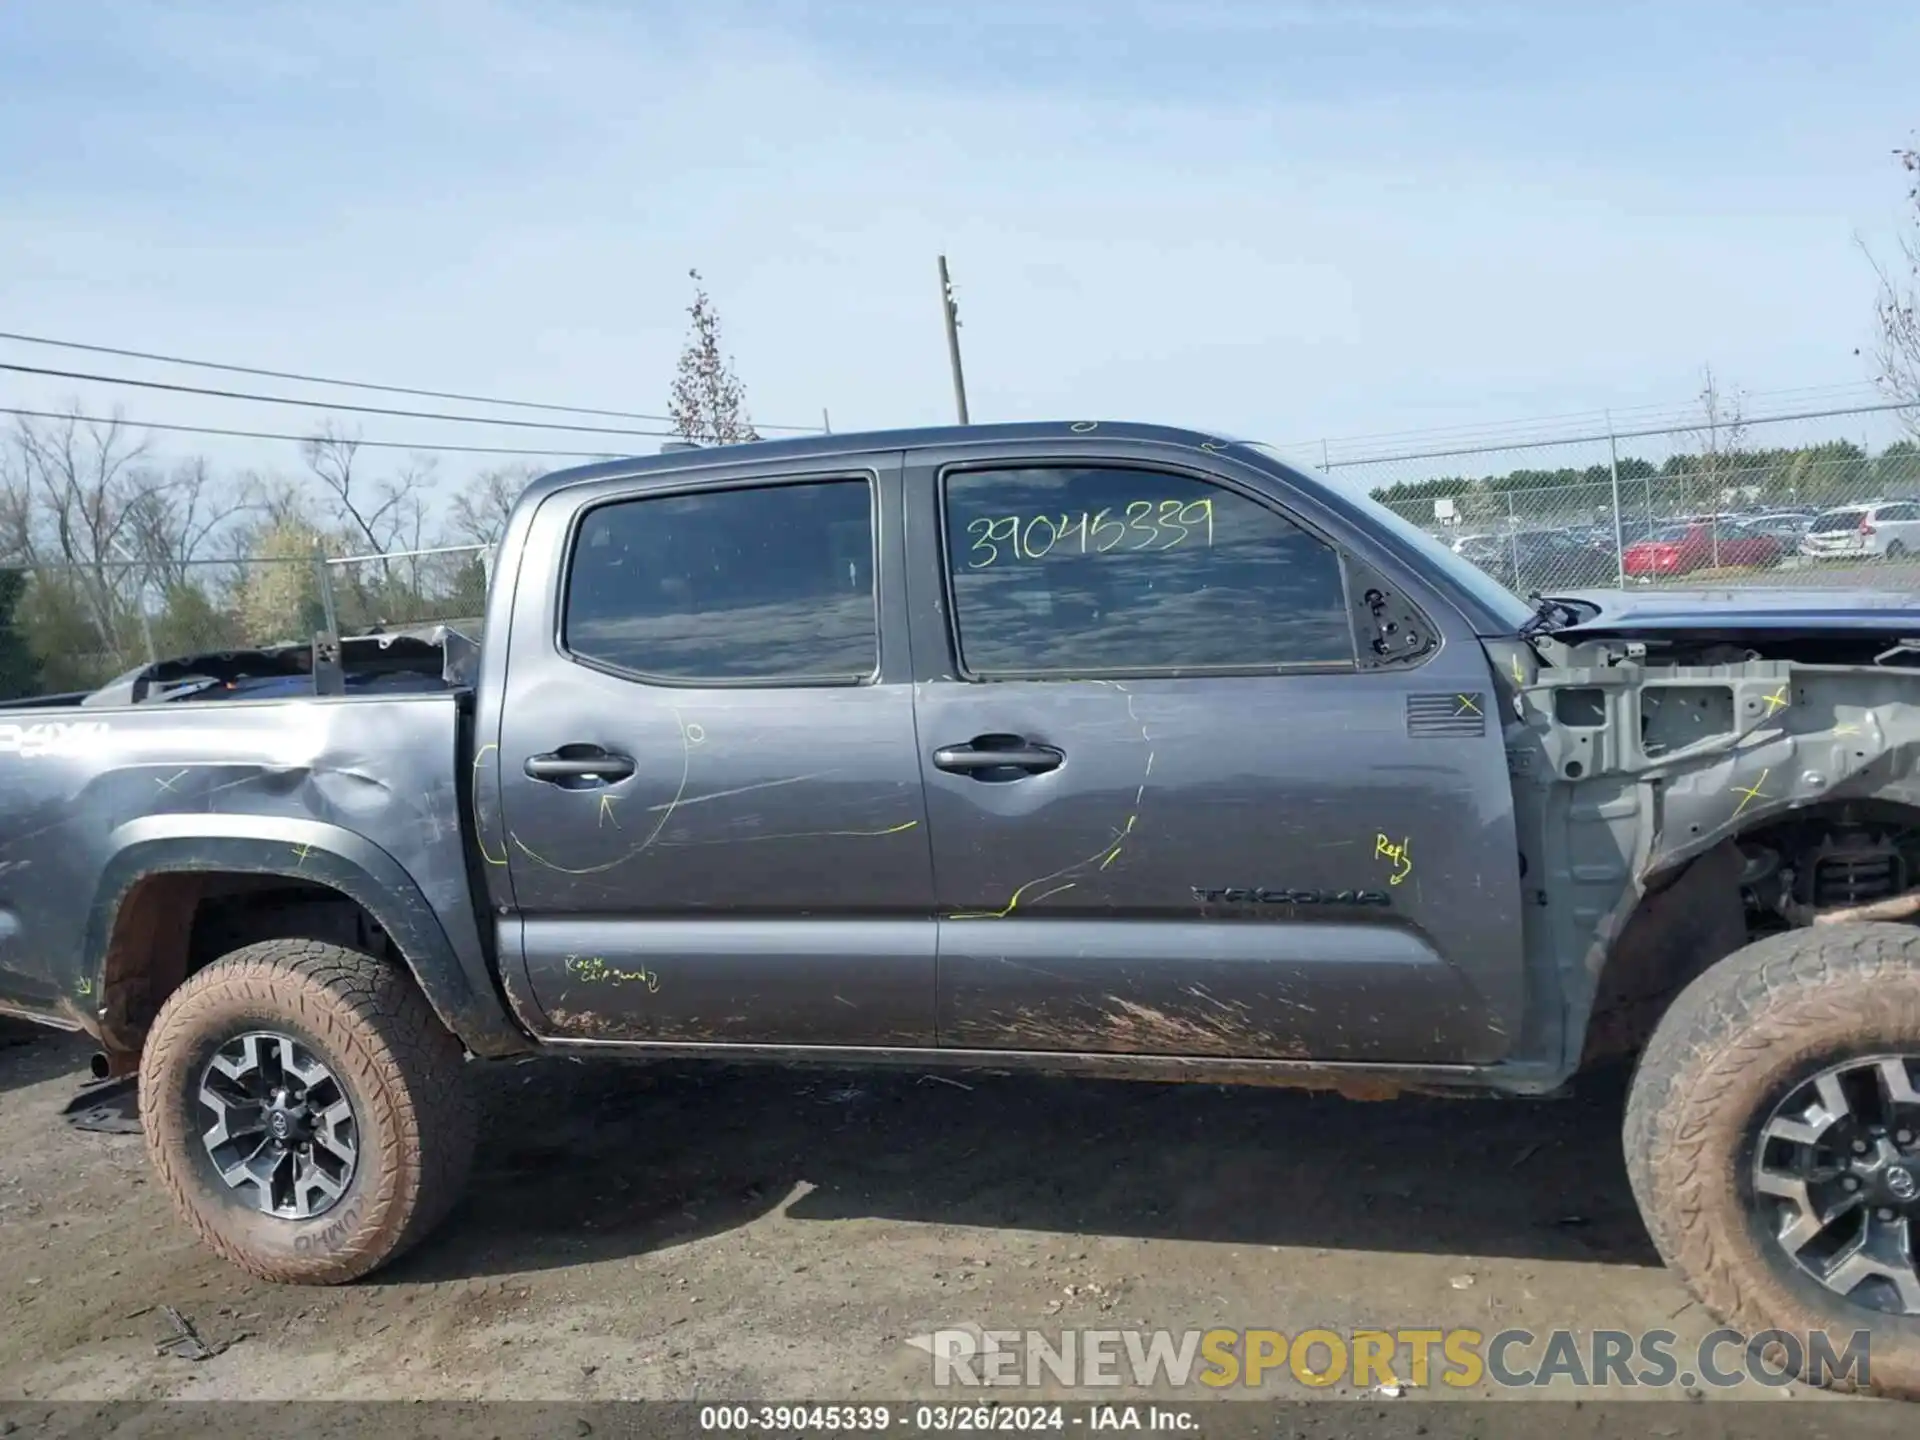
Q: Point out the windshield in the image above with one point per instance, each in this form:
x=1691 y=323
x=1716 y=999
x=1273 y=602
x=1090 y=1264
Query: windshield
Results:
x=1465 y=575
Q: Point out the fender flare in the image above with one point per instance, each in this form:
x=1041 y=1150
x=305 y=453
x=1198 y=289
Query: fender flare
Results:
x=459 y=987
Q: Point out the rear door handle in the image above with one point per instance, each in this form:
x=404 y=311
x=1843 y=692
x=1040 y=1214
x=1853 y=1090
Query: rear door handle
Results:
x=996 y=752
x=579 y=762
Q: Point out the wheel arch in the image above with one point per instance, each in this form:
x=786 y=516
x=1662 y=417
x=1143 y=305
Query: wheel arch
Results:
x=1684 y=915
x=162 y=873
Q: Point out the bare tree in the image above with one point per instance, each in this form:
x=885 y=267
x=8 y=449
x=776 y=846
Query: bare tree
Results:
x=479 y=512
x=73 y=487
x=172 y=519
x=708 y=404
x=1718 y=438
x=1897 y=353
x=384 y=514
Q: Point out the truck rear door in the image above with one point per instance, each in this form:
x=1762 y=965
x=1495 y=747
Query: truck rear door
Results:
x=713 y=815
x=1179 y=804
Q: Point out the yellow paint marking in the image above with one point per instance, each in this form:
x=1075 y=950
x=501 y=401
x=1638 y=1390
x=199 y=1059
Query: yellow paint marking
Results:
x=479 y=830
x=1747 y=797
x=1396 y=855
x=1779 y=700
x=1100 y=859
x=592 y=968
x=1519 y=675
x=1467 y=705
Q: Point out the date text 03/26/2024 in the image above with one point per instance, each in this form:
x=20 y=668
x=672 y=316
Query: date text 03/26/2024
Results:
x=943 y=1419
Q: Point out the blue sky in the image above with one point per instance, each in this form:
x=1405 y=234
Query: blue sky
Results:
x=1288 y=220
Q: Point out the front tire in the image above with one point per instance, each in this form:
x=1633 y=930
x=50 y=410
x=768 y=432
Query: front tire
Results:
x=1773 y=1142
x=306 y=1110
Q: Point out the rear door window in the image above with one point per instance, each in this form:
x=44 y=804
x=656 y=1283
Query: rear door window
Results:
x=767 y=584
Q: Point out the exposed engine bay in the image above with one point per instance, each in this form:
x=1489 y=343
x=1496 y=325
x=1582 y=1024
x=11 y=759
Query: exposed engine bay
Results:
x=1797 y=870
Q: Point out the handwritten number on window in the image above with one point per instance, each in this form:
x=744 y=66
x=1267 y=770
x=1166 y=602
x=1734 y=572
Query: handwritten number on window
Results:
x=1148 y=525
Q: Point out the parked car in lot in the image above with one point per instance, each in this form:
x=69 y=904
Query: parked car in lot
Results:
x=1886 y=529
x=1531 y=560
x=1789 y=527
x=1683 y=549
x=1114 y=749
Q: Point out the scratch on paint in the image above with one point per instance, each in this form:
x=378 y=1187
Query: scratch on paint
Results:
x=166 y=783
x=1108 y=852
x=301 y=852
x=606 y=812
x=794 y=835
x=666 y=814
x=744 y=790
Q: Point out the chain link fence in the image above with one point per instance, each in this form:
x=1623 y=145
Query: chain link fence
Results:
x=73 y=627
x=1781 y=500
x=1811 y=498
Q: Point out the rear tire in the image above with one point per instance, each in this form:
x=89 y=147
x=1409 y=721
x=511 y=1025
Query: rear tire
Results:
x=376 y=1127
x=1729 y=1067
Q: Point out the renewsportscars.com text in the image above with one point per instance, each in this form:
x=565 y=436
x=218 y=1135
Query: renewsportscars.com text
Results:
x=1415 y=1358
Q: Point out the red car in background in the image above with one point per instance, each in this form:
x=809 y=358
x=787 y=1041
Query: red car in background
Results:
x=1682 y=549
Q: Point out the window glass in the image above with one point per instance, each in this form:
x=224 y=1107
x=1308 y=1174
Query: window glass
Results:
x=1113 y=569
x=771 y=582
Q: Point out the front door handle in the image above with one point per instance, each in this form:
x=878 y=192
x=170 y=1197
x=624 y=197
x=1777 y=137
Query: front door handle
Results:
x=987 y=753
x=579 y=762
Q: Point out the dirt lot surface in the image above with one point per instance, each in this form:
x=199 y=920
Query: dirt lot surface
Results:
x=676 y=1231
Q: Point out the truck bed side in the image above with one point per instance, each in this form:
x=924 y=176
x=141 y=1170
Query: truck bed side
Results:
x=117 y=822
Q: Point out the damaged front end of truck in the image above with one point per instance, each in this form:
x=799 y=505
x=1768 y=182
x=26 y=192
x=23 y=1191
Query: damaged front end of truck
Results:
x=1693 y=771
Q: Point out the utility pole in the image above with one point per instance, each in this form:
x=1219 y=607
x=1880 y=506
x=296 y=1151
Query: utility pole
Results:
x=951 y=311
x=140 y=598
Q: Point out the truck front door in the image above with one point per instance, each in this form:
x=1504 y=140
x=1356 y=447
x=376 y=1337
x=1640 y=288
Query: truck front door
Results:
x=1180 y=801
x=712 y=809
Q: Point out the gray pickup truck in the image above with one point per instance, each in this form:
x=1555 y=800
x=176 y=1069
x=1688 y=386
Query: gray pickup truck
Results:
x=1102 y=748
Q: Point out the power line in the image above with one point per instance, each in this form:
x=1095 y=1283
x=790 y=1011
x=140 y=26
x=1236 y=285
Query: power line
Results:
x=1683 y=415
x=300 y=439
x=176 y=389
x=361 y=384
x=1619 y=434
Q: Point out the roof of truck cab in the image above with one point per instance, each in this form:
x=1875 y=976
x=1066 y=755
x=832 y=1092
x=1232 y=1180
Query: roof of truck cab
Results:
x=852 y=442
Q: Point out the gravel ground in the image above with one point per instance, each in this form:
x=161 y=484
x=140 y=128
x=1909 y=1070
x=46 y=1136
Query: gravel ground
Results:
x=674 y=1231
